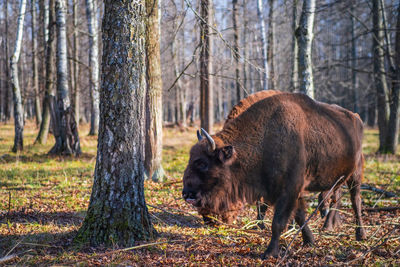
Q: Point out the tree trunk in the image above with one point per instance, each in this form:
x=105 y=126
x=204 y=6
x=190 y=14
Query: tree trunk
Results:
x=295 y=56
x=117 y=213
x=245 y=46
x=392 y=137
x=260 y=13
x=153 y=155
x=18 y=110
x=94 y=66
x=236 y=53
x=64 y=125
x=379 y=73
x=304 y=35
x=206 y=83
x=354 y=78
x=76 y=65
x=7 y=109
x=270 y=45
x=35 y=77
x=49 y=87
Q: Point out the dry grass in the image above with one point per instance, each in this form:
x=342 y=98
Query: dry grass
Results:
x=43 y=201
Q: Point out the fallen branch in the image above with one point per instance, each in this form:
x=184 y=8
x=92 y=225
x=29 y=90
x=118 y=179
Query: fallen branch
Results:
x=8 y=258
x=378 y=190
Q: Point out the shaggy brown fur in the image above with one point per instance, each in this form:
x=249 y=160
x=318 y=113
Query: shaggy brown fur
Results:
x=278 y=149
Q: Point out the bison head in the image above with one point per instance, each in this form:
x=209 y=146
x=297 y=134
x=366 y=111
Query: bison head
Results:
x=207 y=181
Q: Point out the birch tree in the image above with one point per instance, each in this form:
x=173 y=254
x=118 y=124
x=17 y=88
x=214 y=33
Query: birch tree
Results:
x=76 y=65
x=35 y=77
x=236 y=53
x=263 y=39
x=294 y=84
x=305 y=35
x=93 y=65
x=64 y=125
x=49 y=96
x=270 y=45
x=206 y=82
x=153 y=155
x=18 y=110
x=117 y=213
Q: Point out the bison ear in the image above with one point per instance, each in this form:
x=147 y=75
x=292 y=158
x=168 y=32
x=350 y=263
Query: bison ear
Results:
x=226 y=154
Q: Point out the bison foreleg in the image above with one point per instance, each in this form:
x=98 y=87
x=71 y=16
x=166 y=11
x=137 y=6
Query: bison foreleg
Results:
x=300 y=217
x=283 y=209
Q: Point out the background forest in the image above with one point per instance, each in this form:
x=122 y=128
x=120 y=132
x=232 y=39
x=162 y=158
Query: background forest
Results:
x=211 y=55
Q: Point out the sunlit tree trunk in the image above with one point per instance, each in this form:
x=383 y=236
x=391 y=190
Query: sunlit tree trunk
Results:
x=35 y=65
x=263 y=39
x=64 y=125
x=117 y=213
x=295 y=50
x=94 y=66
x=236 y=53
x=18 y=110
x=153 y=155
x=270 y=45
x=76 y=65
x=49 y=95
x=379 y=73
x=206 y=82
x=305 y=35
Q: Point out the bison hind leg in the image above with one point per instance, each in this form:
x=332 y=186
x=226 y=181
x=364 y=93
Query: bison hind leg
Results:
x=354 y=184
x=333 y=219
x=300 y=218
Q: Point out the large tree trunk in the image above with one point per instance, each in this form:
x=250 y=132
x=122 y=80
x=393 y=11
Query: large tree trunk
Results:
x=49 y=95
x=206 y=82
x=64 y=125
x=270 y=45
x=236 y=53
x=117 y=213
x=76 y=65
x=379 y=73
x=304 y=35
x=18 y=110
x=263 y=38
x=94 y=66
x=153 y=155
x=35 y=77
x=392 y=136
x=294 y=82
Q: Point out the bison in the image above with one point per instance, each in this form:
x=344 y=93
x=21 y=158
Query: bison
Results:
x=278 y=149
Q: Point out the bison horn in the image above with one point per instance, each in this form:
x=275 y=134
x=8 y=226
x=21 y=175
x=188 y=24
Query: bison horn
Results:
x=199 y=136
x=209 y=139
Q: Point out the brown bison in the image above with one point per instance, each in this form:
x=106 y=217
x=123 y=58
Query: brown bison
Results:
x=278 y=149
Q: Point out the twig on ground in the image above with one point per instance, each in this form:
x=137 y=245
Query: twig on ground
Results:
x=8 y=258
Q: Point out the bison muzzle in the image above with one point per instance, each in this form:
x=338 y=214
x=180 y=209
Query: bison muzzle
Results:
x=278 y=149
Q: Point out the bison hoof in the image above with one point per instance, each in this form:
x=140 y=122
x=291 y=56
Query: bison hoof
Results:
x=270 y=253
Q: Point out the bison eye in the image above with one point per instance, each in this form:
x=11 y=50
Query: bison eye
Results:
x=201 y=165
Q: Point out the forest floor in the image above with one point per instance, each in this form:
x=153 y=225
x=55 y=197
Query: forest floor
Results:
x=43 y=200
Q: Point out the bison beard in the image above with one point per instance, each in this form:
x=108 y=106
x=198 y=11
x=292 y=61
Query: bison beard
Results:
x=277 y=150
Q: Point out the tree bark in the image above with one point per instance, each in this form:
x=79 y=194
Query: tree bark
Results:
x=35 y=77
x=295 y=52
x=392 y=137
x=18 y=109
x=64 y=125
x=49 y=87
x=117 y=213
x=206 y=82
x=236 y=53
x=270 y=45
x=245 y=46
x=305 y=35
x=93 y=65
x=379 y=73
x=354 y=78
x=153 y=155
x=260 y=13
x=76 y=65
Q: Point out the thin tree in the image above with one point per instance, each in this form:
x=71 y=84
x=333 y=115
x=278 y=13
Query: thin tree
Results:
x=35 y=77
x=305 y=35
x=64 y=125
x=93 y=65
x=236 y=53
x=18 y=109
x=75 y=55
x=153 y=155
x=6 y=106
x=206 y=83
x=270 y=45
x=49 y=96
x=354 y=77
x=260 y=13
x=294 y=82
x=117 y=213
